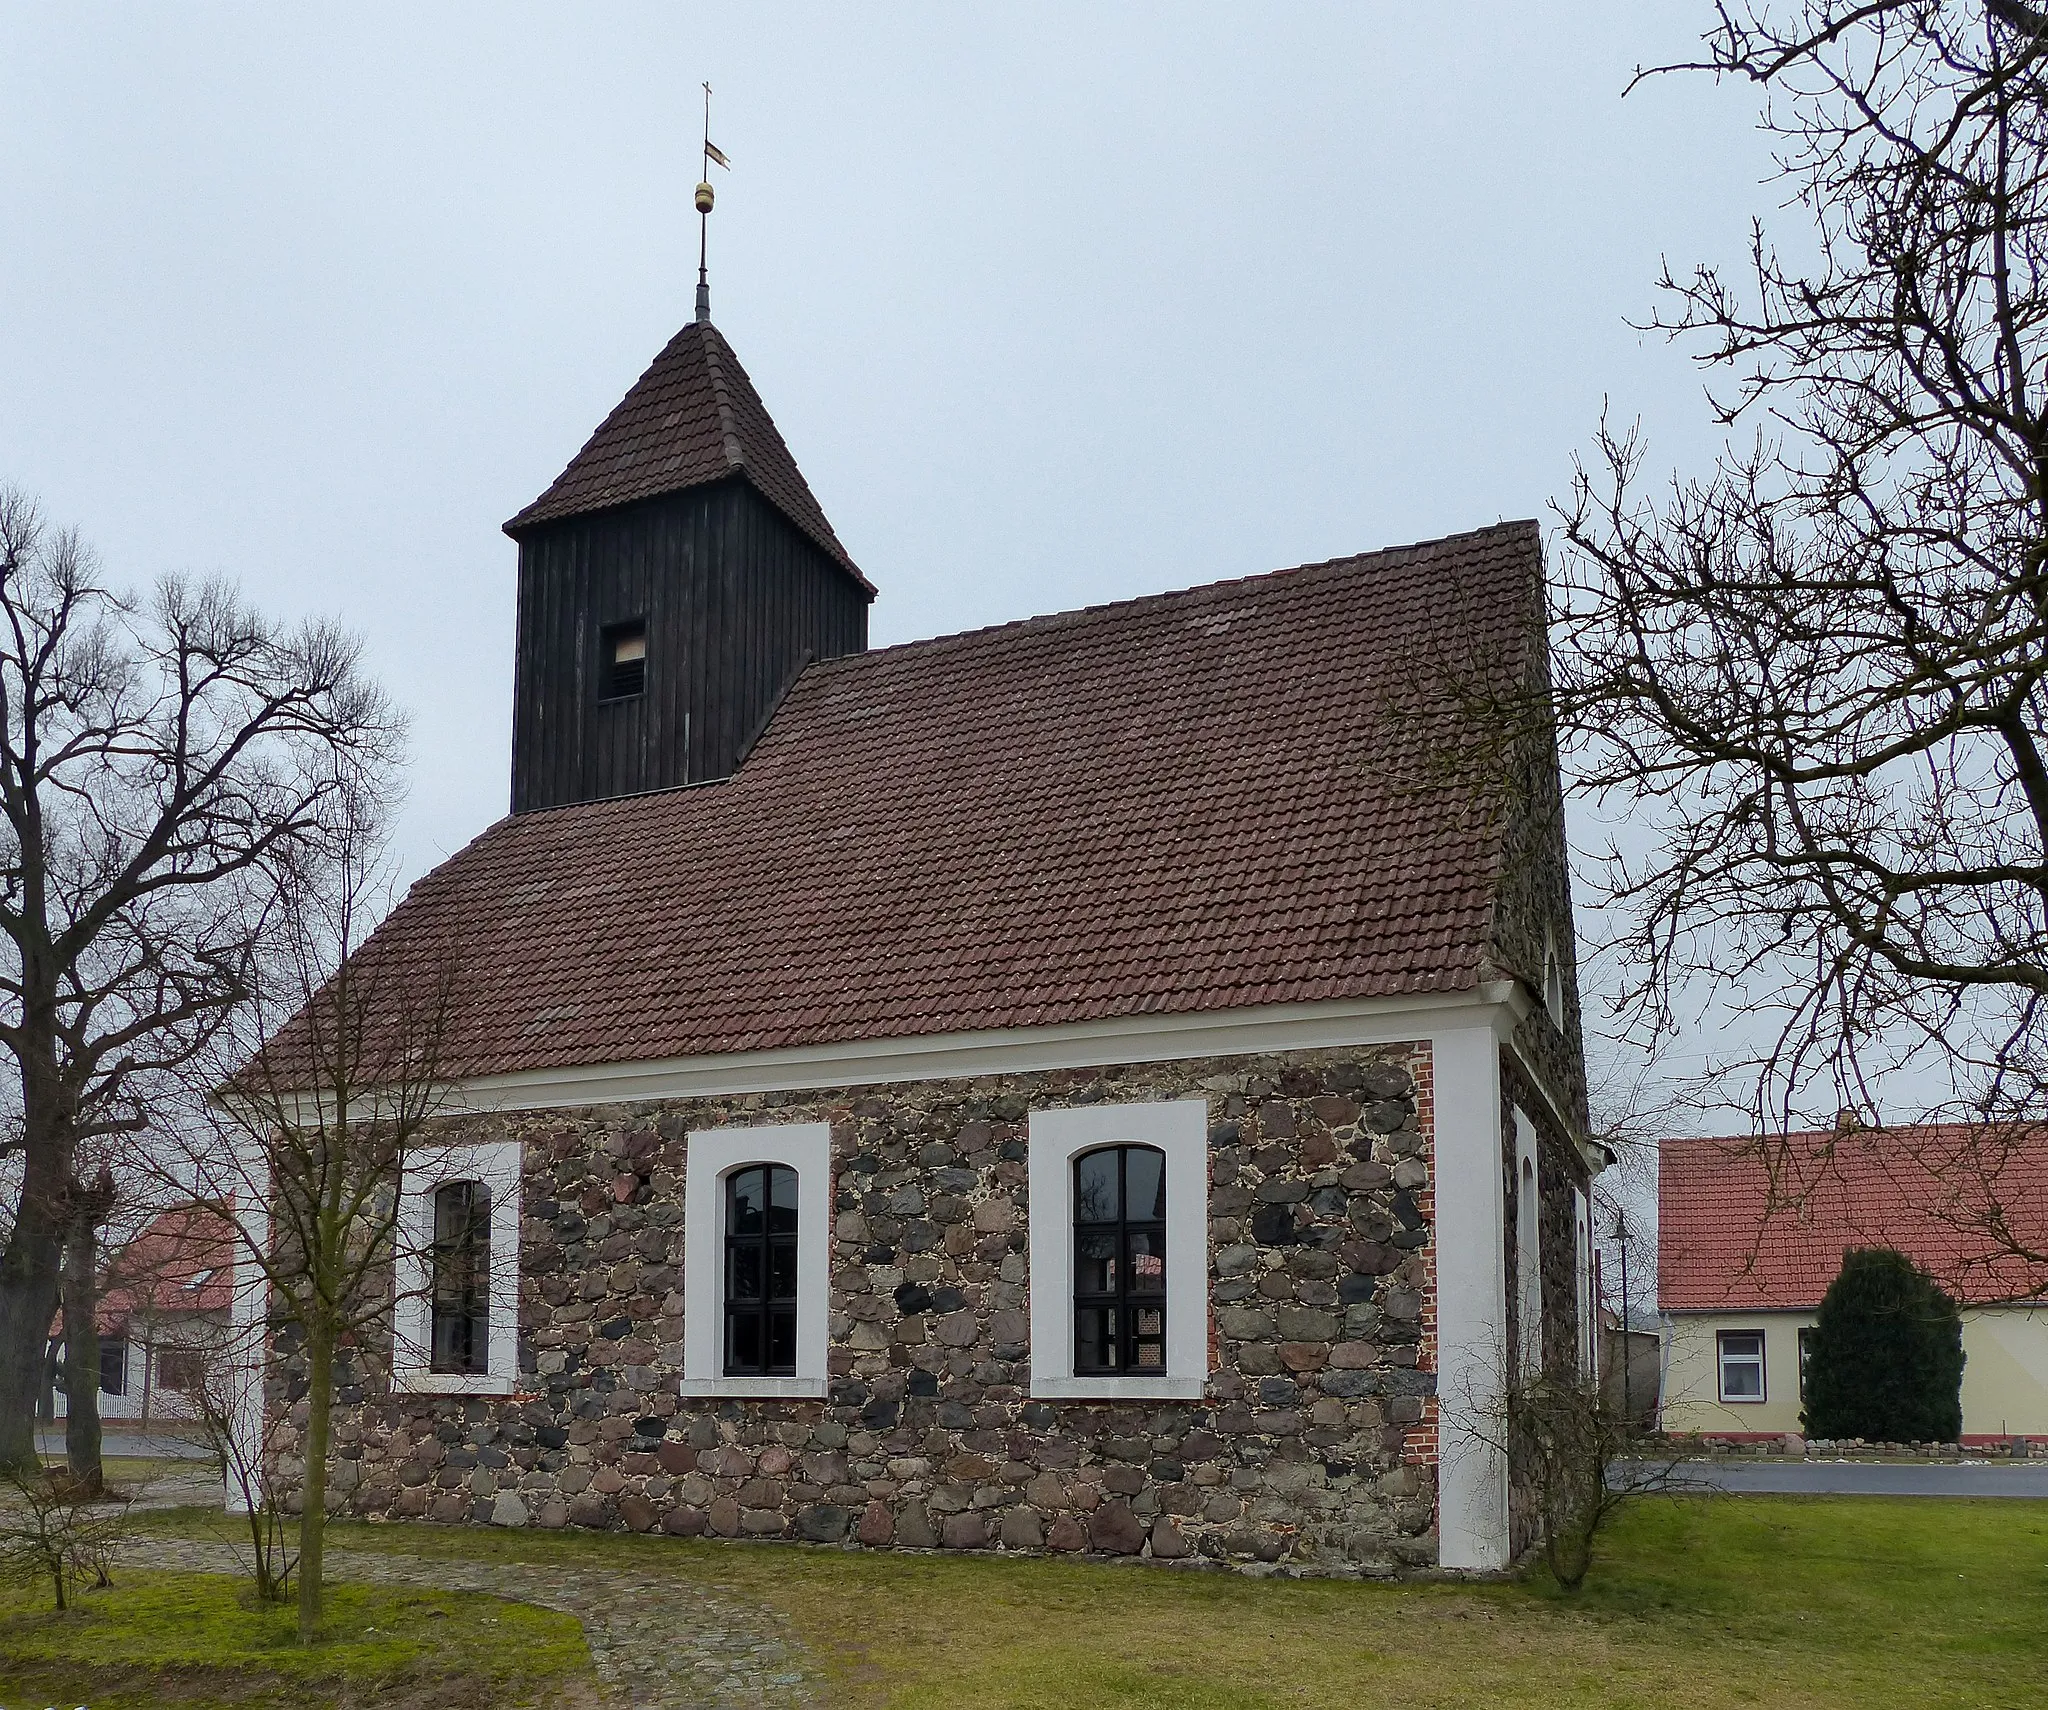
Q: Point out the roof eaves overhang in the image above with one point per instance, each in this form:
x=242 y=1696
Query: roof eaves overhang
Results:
x=525 y=524
x=1398 y=1019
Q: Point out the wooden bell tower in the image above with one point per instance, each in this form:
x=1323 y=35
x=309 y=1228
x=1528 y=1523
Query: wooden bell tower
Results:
x=672 y=583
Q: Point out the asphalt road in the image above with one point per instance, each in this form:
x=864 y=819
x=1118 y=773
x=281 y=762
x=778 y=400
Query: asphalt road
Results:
x=118 y=1439
x=1867 y=1478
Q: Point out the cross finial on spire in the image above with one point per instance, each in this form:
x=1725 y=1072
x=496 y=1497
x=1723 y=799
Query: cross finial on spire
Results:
x=712 y=154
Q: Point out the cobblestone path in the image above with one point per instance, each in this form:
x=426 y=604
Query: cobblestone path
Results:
x=657 y=1643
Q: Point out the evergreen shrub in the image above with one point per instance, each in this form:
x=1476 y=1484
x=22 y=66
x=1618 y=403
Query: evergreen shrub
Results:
x=1886 y=1360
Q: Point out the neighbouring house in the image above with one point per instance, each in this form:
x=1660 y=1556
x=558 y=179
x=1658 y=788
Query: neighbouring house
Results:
x=164 y=1311
x=1631 y=1364
x=1747 y=1247
x=1087 y=1084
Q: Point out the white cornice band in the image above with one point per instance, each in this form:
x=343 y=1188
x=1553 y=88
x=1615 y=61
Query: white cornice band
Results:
x=1021 y=1050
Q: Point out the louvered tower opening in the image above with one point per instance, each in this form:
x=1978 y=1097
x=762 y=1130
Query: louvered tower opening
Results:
x=622 y=663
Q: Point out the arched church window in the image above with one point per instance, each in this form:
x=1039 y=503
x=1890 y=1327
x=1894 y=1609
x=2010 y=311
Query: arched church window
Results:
x=1120 y=1260
x=760 y=1271
x=459 y=1280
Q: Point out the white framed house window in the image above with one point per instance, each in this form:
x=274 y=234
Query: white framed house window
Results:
x=1120 y=1251
x=1741 y=1359
x=757 y=1255
x=456 y=1271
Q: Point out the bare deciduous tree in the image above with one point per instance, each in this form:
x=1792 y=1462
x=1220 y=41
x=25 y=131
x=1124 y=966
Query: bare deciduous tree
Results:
x=1581 y=1460
x=1816 y=678
x=242 y=1434
x=54 y=1532
x=331 y=1077
x=158 y=758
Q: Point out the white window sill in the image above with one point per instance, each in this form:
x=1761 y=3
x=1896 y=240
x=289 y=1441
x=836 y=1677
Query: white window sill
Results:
x=449 y=1383
x=801 y=1388
x=1163 y=1388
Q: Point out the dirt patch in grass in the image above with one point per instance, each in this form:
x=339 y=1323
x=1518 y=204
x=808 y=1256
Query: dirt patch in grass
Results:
x=201 y=1640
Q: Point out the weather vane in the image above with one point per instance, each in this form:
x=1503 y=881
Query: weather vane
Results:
x=713 y=154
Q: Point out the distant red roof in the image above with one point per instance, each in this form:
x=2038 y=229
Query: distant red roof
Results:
x=1751 y=1226
x=693 y=418
x=182 y=1261
x=1189 y=802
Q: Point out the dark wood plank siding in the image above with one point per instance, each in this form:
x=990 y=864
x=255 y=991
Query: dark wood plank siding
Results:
x=733 y=595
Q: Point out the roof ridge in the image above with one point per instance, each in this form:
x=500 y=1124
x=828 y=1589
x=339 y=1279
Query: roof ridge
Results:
x=1108 y=608
x=721 y=392
x=1867 y=1131
x=1047 y=621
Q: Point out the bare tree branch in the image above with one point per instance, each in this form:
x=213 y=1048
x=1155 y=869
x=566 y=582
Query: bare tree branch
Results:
x=163 y=764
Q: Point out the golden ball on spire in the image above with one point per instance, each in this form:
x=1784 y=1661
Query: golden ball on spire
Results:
x=704 y=198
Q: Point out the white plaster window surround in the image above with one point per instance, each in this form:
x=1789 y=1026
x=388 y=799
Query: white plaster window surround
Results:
x=1740 y=1356
x=496 y=1164
x=1528 y=1248
x=1180 y=1129
x=1582 y=1274
x=713 y=1155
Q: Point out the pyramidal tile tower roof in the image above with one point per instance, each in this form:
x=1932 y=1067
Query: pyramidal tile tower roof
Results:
x=693 y=418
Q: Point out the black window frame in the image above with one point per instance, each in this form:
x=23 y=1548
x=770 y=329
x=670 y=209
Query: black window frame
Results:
x=1139 y=1314
x=114 y=1358
x=459 y=1280
x=609 y=682
x=765 y=1320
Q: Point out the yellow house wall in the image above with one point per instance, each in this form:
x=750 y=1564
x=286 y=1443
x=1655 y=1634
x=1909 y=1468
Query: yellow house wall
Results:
x=2005 y=1379
x=1690 y=1399
x=2005 y=1373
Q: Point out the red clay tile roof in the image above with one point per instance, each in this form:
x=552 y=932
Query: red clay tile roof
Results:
x=1188 y=802
x=1735 y=1232
x=181 y=1261
x=691 y=419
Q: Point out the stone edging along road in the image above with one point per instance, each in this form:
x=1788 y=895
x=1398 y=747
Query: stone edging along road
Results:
x=1850 y=1478
x=657 y=1643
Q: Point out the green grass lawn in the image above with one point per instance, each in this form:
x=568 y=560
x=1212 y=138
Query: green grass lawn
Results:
x=199 y=1640
x=1696 y=1602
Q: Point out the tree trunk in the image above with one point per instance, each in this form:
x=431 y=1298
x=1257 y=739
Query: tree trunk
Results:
x=82 y=1357
x=28 y=1304
x=313 y=1488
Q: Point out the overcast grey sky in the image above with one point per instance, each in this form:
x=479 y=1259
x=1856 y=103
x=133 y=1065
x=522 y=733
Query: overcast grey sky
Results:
x=1054 y=305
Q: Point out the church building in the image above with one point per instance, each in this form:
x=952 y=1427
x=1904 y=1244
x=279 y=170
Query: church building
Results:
x=1098 y=1084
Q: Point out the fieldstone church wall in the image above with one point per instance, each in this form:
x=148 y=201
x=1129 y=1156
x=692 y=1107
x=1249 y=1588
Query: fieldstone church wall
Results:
x=1313 y=1447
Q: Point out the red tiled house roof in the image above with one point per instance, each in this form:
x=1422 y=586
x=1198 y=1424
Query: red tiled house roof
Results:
x=181 y=1262
x=693 y=418
x=1742 y=1227
x=1190 y=802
